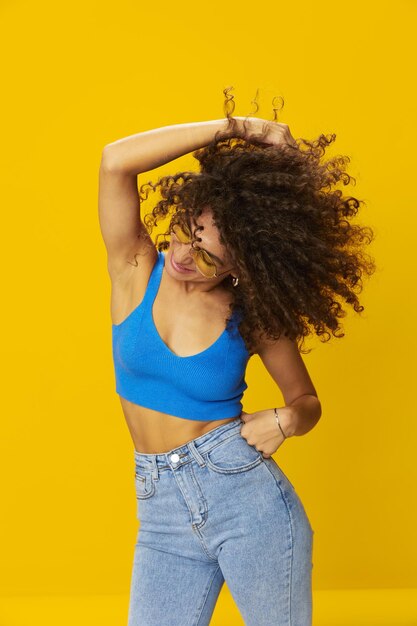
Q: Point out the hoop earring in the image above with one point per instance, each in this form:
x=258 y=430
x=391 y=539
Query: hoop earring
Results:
x=235 y=281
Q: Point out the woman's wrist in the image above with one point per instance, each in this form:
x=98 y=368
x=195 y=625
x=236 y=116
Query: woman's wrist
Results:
x=299 y=417
x=284 y=419
x=200 y=134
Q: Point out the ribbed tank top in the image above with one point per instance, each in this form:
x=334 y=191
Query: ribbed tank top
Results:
x=205 y=386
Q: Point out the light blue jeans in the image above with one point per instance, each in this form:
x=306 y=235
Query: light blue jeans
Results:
x=214 y=510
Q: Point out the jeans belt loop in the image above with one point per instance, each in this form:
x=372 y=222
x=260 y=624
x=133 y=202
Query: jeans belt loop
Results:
x=154 y=471
x=200 y=460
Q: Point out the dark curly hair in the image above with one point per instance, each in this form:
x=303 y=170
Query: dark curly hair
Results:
x=285 y=227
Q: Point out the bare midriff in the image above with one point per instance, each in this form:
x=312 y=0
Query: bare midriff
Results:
x=153 y=432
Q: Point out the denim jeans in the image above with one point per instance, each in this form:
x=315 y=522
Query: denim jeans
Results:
x=215 y=510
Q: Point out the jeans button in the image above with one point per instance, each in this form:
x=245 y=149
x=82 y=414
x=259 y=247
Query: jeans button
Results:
x=175 y=458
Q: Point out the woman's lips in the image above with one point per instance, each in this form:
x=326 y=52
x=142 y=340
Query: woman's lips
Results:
x=179 y=268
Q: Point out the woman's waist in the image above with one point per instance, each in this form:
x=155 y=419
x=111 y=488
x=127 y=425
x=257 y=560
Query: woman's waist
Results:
x=155 y=432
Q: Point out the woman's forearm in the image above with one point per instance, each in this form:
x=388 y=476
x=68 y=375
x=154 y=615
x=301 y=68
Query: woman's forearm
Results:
x=150 y=149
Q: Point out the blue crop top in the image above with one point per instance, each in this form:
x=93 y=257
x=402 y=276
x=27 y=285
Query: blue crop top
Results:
x=205 y=386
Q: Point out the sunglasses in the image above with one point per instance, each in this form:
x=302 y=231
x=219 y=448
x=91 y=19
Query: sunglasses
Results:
x=202 y=259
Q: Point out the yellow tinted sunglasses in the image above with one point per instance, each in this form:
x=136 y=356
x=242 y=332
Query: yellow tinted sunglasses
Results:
x=202 y=259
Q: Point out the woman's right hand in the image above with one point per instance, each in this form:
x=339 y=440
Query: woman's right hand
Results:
x=276 y=133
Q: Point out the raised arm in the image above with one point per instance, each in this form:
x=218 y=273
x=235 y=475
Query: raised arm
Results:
x=152 y=148
x=123 y=232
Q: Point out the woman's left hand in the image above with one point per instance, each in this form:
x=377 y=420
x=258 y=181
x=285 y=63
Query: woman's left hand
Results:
x=276 y=133
x=260 y=429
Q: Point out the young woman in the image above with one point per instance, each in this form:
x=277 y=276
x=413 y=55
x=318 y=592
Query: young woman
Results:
x=259 y=246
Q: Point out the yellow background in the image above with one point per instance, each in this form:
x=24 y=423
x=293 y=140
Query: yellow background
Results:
x=80 y=75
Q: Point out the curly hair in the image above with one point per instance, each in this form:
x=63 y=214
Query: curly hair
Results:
x=286 y=229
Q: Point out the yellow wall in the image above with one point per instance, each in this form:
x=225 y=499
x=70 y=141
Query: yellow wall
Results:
x=78 y=76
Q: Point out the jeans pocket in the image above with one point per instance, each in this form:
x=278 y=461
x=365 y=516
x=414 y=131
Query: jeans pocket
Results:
x=233 y=455
x=144 y=485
